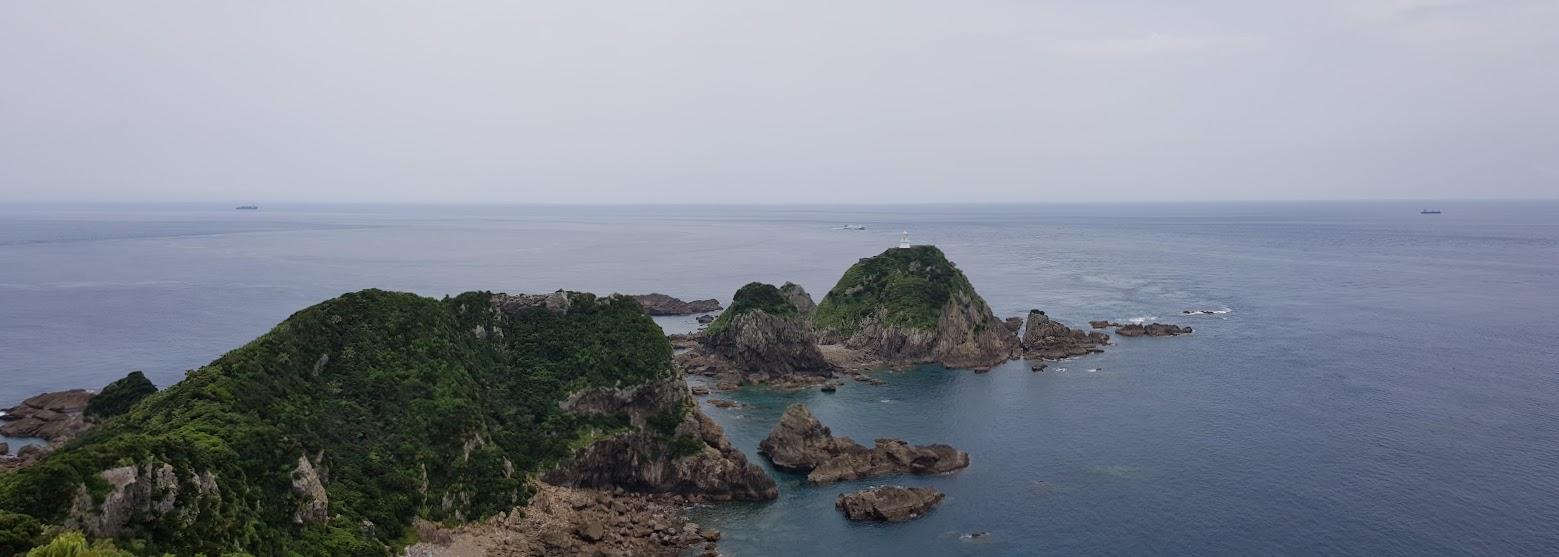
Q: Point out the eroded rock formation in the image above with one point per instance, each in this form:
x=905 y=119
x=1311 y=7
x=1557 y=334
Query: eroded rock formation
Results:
x=764 y=331
x=800 y=443
x=693 y=459
x=50 y=416
x=888 y=503
x=1047 y=339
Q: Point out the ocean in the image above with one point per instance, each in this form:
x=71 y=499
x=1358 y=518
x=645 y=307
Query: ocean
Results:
x=1382 y=383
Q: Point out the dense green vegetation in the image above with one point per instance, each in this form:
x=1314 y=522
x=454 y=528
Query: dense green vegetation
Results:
x=73 y=544
x=408 y=407
x=119 y=396
x=909 y=286
x=753 y=296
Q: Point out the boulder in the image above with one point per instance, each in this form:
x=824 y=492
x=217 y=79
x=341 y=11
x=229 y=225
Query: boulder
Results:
x=590 y=530
x=890 y=503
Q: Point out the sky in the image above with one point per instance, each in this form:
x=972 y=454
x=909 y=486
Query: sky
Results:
x=794 y=101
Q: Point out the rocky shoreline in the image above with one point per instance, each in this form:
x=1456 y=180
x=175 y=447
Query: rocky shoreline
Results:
x=573 y=521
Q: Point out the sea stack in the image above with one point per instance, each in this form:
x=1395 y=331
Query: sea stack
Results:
x=912 y=305
x=768 y=330
x=801 y=443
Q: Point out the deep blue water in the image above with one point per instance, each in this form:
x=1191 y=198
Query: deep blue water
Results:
x=1384 y=383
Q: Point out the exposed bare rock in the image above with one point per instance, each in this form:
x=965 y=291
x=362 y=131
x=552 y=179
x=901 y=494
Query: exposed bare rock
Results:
x=313 y=501
x=801 y=443
x=561 y=521
x=137 y=491
x=765 y=331
x=695 y=459
x=967 y=334
x=1152 y=330
x=50 y=416
x=759 y=341
x=797 y=296
x=1014 y=324
x=888 y=503
x=661 y=304
x=889 y=456
x=1048 y=339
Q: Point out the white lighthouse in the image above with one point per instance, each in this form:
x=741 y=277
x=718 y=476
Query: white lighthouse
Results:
x=904 y=240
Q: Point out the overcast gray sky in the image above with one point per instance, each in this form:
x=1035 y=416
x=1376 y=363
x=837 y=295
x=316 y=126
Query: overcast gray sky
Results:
x=787 y=101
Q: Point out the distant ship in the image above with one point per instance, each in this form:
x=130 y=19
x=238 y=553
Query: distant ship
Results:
x=852 y=227
x=1429 y=212
x=247 y=207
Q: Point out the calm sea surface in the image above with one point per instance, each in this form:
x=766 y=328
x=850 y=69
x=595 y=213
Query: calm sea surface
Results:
x=1384 y=383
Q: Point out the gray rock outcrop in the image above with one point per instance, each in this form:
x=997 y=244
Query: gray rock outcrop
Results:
x=50 y=416
x=766 y=331
x=1152 y=330
x=694 y=459
x=797 y=296
x=888 y=503
x=801 y=443
x=1047 y=339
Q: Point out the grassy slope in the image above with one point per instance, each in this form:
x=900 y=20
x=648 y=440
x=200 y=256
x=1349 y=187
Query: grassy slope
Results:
x=407 y=385
x=911 y=284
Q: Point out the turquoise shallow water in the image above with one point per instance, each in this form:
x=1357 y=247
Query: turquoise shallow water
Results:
x=1384 y=384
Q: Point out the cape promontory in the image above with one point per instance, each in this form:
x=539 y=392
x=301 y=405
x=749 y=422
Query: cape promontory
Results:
x=912 y=305
x=352 y=419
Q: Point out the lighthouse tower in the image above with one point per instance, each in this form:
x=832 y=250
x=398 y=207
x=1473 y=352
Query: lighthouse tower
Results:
x=904 y=240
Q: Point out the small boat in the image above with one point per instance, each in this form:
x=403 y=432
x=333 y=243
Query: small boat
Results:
x=1429 y=212
x=852 y=227
x=247 y=208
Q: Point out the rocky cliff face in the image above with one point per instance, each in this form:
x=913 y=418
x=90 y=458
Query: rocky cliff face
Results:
x=912 y=305
x=764 y=331
x=800 y=443
x=694 y=458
